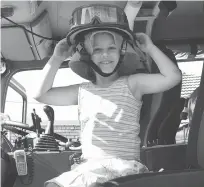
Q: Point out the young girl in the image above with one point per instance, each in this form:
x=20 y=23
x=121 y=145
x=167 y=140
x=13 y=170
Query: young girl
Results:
x=109 y=107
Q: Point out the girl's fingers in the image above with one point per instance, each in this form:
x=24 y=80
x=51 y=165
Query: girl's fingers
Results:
x=63 y=40
x=140 y=35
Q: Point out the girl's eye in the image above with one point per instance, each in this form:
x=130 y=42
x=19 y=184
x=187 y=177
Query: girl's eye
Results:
x=97 y=50
x=112 y=48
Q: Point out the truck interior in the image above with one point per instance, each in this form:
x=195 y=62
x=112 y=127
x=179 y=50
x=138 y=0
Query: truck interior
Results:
x=29 y=33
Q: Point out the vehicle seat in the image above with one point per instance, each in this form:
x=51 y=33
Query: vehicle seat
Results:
x=157 y=107
x=169 y=127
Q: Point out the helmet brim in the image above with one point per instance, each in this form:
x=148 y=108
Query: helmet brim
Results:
x=72 y=35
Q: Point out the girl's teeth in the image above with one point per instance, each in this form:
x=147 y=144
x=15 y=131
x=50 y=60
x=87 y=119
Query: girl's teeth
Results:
x=105 y=62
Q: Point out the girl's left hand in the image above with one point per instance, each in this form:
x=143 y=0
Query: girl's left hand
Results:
x=144 y=42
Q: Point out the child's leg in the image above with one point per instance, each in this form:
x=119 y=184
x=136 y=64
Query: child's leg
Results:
x=94 y=172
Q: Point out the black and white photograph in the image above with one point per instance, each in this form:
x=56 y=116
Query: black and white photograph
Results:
x=102 y=93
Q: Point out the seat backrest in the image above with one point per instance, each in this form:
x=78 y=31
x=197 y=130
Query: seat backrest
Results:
x=195 y=149
x=158 y=107
x=169 y=127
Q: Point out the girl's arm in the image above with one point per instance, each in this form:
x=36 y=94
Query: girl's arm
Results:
x=168 y=77
x=44 y=92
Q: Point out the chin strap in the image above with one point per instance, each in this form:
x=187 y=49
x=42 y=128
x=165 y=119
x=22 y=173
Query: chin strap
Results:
x=86 y=58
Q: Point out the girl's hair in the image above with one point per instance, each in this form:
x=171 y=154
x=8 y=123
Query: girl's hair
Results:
x=81 y=37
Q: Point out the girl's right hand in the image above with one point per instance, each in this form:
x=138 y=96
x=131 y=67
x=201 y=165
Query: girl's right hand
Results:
x=62 y=50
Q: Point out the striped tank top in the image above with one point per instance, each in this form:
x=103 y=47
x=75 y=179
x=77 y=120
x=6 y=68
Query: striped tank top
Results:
x=109 y=119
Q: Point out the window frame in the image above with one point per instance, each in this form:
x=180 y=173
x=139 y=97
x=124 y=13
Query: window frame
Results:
x=185 y=128
x=16 y=86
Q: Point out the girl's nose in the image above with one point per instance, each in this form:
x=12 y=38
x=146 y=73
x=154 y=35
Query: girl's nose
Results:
x=104 y=54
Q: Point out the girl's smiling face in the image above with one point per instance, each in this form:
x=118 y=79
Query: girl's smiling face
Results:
x=105 y=53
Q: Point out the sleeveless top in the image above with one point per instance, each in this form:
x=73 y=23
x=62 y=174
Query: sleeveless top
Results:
x=109 y=119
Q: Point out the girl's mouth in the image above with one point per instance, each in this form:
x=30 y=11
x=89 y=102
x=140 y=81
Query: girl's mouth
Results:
x=106 y=62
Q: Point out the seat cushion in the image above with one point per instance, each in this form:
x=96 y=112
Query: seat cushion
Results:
x=187 y=178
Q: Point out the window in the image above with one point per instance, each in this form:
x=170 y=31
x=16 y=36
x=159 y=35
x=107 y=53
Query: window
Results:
x=191 y=72
x=64 y=115
x=14 y=105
